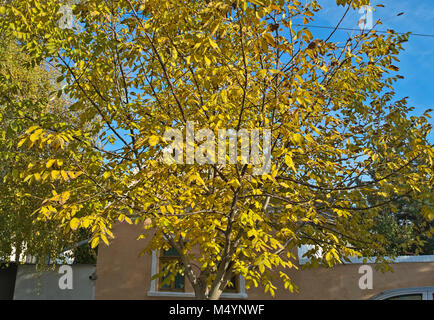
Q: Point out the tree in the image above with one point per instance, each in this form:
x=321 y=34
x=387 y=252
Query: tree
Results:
x=24 y=93
x=141 y=69
x=405 y=228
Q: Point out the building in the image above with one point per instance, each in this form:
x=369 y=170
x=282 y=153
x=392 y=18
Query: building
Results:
x=122 y=274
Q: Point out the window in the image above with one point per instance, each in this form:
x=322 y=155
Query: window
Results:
x=174 y=290
x=169 y=258
x=414 y=293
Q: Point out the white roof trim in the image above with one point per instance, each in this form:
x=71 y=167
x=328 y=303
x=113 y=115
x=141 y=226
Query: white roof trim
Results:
x=369 y=260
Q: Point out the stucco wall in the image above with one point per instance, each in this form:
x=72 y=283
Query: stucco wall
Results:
x=122 y=274
x=30 y=285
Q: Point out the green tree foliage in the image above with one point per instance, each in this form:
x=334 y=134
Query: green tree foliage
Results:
x=27 y=95
x=406 y=230
x=138 y=68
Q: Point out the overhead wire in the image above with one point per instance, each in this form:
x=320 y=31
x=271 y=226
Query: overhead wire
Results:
x=378 y=31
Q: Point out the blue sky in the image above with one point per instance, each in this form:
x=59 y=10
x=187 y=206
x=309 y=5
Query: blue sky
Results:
x=417 y=63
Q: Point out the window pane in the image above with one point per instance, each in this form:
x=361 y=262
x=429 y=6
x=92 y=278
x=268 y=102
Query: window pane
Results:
x=166 y=286
x=233 y=286
x=179 y=281
x=407 y=297
x=176 y=284
x=170 y=253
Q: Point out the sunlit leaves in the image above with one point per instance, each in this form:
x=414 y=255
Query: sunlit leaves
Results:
x=134 y=70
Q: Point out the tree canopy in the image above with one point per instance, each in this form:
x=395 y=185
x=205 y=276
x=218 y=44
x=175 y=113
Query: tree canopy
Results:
x=136 y=69
x=404 y=226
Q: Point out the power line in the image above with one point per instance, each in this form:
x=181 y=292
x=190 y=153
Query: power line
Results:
x=355 y=29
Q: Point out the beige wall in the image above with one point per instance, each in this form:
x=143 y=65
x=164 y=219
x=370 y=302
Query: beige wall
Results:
x=122 y=274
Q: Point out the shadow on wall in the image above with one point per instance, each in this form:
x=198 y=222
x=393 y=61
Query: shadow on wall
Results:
x=8 y=275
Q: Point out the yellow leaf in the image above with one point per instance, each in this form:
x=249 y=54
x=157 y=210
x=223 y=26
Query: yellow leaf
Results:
x=22 y=141
x=269 y=38
x=86 y=222
x=74 y=223
x=234 y=183
x=170 y=209
x=64 y=175
x=153 y=140
x=95 y=242
x=289 y=162
x=298 y=139
x=207 y=61
x=104 y=238
x=65 y=195
x=31 y=129
x=50 y=163
x=54 y=174
x=35 y=135
x=214 y=45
